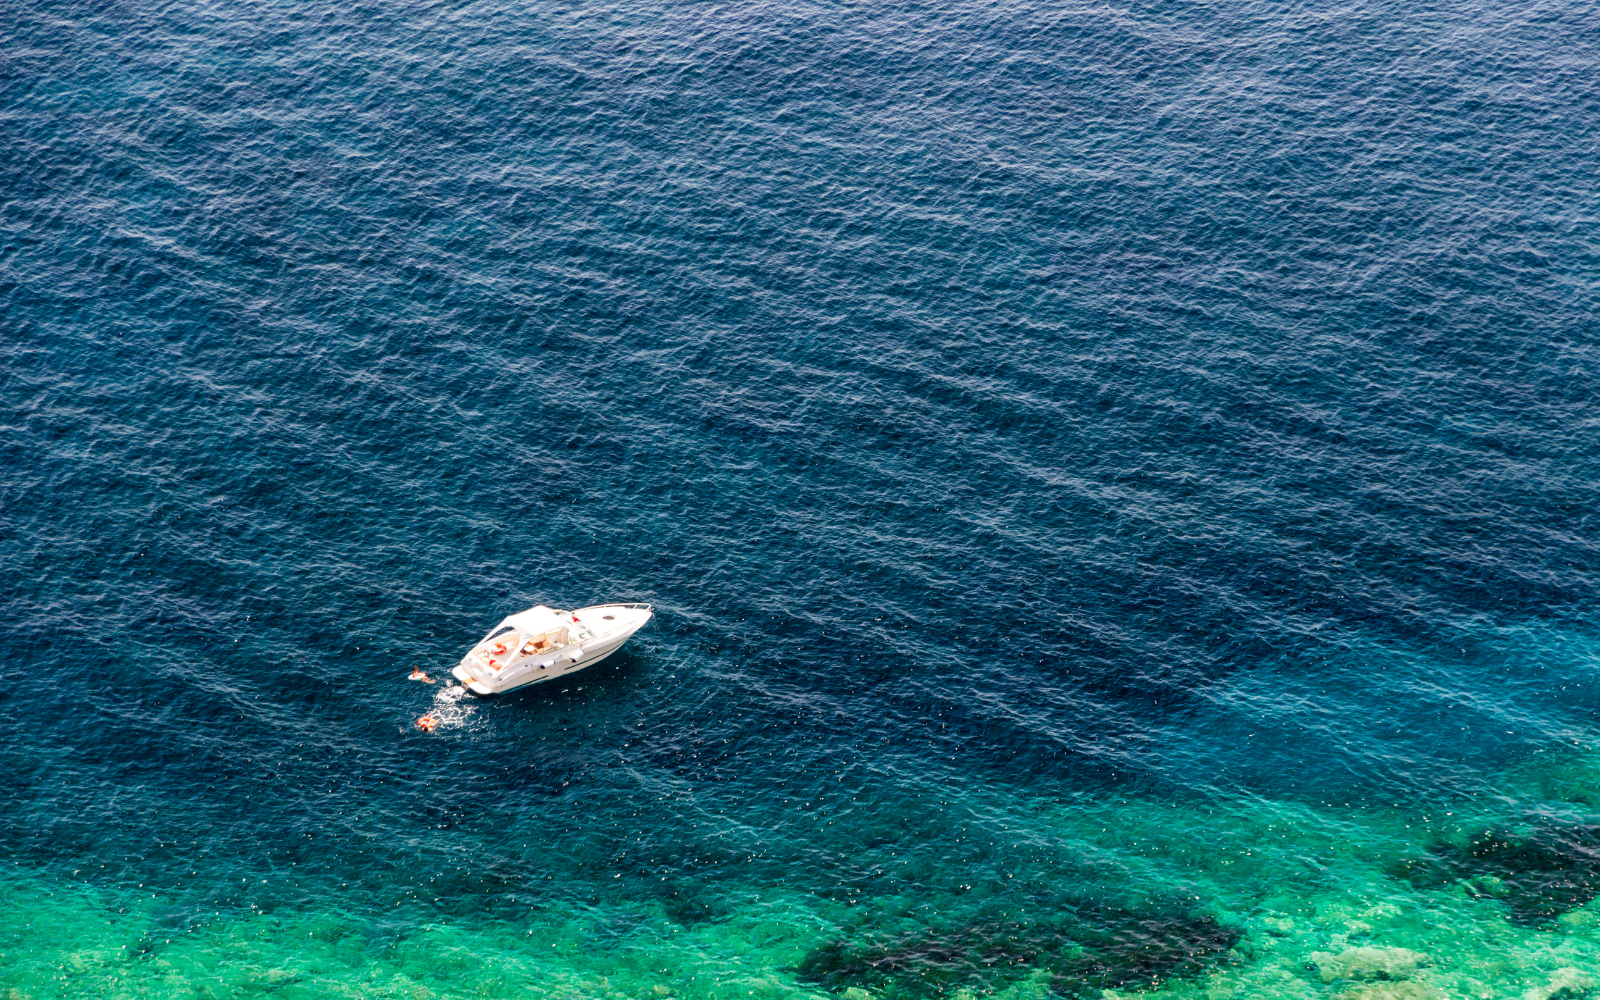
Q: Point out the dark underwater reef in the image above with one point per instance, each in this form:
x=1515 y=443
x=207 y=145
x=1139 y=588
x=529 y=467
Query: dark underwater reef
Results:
x=1093 y=948
x=1538 y=866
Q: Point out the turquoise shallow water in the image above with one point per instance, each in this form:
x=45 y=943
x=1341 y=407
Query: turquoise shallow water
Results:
x=1116 y=483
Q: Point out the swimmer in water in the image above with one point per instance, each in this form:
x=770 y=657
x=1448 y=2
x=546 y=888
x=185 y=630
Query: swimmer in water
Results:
x=427 y=723
x=418 y=675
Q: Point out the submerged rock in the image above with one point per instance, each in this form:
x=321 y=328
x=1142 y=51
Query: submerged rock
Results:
x=1391 y=991
x=1564 y=984
x=1369 y=963
x=1095 y=950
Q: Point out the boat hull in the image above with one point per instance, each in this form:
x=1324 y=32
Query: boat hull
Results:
x=563 y=662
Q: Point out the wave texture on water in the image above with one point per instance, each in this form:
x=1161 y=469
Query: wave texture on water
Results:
x=1116 y=484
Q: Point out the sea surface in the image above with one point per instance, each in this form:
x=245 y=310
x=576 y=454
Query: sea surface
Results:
x=1117 y=482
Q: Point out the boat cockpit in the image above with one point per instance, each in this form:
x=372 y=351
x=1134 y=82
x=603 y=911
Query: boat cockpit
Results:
x=537 y=635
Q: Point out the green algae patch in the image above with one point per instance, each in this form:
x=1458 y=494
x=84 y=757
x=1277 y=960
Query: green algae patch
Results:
x=61 y=942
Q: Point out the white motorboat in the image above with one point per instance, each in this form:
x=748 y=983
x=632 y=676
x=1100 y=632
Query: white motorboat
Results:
x=541 y=644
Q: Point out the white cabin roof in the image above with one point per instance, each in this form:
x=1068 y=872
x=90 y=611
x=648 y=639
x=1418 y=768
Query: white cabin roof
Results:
x=533 y=620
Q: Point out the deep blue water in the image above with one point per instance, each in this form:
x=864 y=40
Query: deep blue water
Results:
x=1165 y=403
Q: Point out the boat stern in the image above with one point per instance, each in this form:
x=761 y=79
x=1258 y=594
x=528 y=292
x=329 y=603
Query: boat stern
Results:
x=471 y=683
